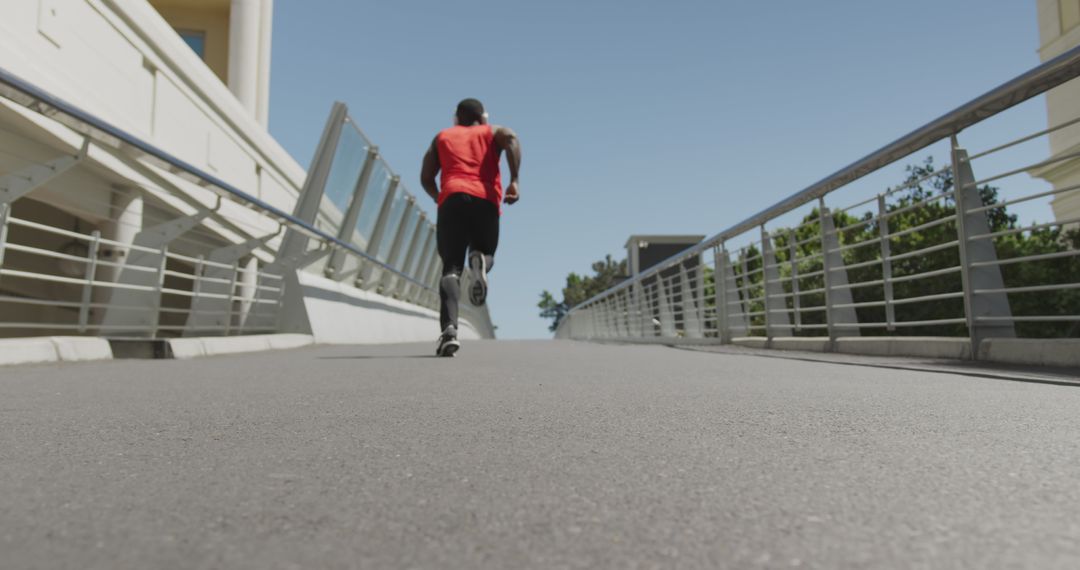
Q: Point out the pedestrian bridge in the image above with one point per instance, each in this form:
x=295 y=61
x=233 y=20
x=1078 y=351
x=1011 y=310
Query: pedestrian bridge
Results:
x=110 y=238
x=855 y=377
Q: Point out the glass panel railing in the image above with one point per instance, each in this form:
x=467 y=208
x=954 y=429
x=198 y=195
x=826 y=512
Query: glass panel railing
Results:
x=420 y=255
x=406 y=240
x=372 y=204
x=393 y=220
x=345 y=170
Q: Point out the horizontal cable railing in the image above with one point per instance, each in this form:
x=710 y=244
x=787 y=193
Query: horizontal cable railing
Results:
x=937 y=255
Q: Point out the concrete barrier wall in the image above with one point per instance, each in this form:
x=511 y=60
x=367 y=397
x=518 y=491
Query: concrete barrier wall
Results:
x=339 y=314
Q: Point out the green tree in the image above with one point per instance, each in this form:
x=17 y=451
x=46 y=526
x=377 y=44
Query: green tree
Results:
x=926 y=204
x=606 y=273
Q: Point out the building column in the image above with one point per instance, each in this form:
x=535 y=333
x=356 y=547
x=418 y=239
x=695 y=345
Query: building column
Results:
x=125 y=222
x=266 y=27
x=244 y=61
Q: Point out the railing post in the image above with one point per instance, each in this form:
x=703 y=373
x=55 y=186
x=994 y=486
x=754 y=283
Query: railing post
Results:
x=594 y=322
x=645 y=308
x=230 y=293
x=793 y=258
x=295 y=242
x=377 y=233
x=613 y=316
x=638 y=311
x=196 y=286
x=609 y=318
x=886 y=263
x=5 y=212
x=386 y=280
x=616 y=314
x=776 y=316
x=652 y=297
x=605 y=318
x=985 y=276
x=246 y=284
x=692 y=325
x=599 y=328
x=843 y=320
x=765 y=284
x=699 y=296
x=624 y=313
x=747 y=302
x=592 y=328
x=159 y=285
x=649 y=309
x=667 y=315
x=352 y=212
x=88 y=287
x=427 y=252
x=826 y=274
x=720 y=278
x=735 y=296
x=415 y=247
x=640 y=304
x=432 y=275
x=632 y=320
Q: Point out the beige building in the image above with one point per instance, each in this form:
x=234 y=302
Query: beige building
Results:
x=1059 y=31
x=233 y=38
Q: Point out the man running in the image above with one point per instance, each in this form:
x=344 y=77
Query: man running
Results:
x=469 y=206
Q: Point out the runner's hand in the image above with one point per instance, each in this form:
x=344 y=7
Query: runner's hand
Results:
x=512 y=194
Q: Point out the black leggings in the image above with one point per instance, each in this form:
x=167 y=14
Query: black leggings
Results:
x=465 y=223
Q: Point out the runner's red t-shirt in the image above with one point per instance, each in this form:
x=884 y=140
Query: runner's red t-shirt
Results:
x=469 y=161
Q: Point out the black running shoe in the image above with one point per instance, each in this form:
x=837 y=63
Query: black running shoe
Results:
x=448 y=342
x=478 y=270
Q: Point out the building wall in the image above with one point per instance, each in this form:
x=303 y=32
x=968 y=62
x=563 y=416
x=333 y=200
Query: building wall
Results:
x=1059 y=31
x=210 y=17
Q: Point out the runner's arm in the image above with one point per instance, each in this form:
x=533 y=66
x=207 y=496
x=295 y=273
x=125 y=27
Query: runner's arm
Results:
x=428 y=171
x=506 y=139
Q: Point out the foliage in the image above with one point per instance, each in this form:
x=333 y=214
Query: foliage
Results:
x=606 y=273
x=925 y=203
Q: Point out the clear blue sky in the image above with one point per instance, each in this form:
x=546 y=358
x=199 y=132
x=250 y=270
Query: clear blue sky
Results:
x=643 y=117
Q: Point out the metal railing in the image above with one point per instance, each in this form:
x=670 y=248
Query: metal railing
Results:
x=938 y=254
x=169 y=249
x=191 y=295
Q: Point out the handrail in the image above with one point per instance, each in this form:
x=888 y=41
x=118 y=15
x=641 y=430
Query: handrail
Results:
x=31 y=96
x=1032 y=83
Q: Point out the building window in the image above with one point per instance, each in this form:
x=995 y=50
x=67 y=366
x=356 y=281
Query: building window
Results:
x=196 y=40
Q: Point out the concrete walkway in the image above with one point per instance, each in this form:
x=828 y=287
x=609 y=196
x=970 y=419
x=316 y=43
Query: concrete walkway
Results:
x=532 y=455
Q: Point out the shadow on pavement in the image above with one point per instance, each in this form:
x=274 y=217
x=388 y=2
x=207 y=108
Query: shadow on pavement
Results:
x=380 y=356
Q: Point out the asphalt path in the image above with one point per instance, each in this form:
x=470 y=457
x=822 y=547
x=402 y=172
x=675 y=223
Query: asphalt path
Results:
x=545 y=454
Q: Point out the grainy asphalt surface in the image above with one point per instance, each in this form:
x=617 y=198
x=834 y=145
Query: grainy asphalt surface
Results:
x=532 y=455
